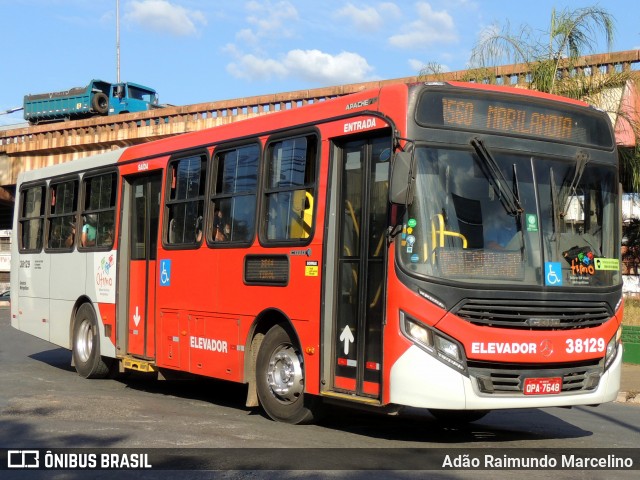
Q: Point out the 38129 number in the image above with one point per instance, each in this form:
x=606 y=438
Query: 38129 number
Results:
x=587 y=345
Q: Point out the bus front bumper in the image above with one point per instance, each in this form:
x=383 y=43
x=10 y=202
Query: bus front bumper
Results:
x=419 y=380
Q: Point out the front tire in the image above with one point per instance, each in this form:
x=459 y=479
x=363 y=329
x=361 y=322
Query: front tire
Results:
x=86 y=344
x=280 y=379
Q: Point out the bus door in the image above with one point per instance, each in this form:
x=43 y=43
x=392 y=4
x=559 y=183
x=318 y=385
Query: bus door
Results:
x=144 y=211
x=362 y=171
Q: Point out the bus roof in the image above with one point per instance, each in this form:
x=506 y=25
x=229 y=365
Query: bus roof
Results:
x=87 y=163
x=518 y=91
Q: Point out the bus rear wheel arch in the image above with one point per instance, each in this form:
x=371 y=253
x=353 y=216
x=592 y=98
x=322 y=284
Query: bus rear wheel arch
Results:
x=280 y=379
x=86 y=344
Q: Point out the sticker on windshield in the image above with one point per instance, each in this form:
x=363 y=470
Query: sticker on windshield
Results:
x=553 y=274
x=410 y=242
x=581 y=260
x=531 y=220
x=612 y=264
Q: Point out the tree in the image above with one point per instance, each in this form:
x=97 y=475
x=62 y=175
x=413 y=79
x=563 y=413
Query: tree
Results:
x=553 y=60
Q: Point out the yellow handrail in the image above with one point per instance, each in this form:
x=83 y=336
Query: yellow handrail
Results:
x=353 y=217
x=442 y=233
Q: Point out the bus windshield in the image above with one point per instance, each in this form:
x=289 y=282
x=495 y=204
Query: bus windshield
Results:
x=463 y=225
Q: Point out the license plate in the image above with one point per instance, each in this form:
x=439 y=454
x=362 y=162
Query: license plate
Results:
x=542 y=386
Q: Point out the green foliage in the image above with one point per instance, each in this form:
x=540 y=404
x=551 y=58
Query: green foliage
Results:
x=553 y=60
x=573 y=31
x=629 y=160
x=553 y=64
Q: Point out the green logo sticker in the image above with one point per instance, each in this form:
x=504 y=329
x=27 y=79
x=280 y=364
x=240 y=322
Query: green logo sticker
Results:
x=532 y=222
x=607 y=264
x=412 y=222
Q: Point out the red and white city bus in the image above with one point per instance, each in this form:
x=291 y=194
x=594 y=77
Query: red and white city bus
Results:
x=449 y=246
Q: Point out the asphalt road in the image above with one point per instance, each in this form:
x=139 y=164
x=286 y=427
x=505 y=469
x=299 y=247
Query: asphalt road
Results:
x=45 y=404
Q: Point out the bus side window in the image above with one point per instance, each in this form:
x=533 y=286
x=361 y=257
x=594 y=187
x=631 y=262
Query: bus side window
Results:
x=233 y=199
x=99 y=211
x=290 y=189
x=185 y=202
x=63 y=205
x=31 y=221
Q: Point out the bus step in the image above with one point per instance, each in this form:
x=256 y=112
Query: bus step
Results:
x=137 y=364
x=350 y=397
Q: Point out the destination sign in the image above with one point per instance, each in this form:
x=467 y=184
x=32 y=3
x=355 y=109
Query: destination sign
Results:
x=506 y=114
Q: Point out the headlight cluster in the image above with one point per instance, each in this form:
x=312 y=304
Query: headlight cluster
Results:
x=612 y=348
x=435 y=343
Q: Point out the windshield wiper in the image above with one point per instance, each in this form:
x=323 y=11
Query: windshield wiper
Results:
x=508 y=197
x=582 y=158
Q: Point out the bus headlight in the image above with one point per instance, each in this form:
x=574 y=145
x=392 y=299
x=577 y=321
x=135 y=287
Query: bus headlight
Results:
x=448 y=348
x=419 y=334
x=612 y=348
x=435 y=343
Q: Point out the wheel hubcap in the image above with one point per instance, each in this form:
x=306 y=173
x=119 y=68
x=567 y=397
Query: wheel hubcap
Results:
x=284 y=374
x=84 y=341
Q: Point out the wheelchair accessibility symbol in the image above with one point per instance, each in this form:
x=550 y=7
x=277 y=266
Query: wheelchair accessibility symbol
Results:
x=553 y=274
x=165 y=273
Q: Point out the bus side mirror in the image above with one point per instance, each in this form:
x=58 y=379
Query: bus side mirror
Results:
x=401 y=185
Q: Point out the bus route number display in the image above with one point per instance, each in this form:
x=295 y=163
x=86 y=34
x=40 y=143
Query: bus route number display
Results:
x=518 y=115
x=485 y=115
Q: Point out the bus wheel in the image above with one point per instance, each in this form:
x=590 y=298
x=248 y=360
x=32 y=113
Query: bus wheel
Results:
x=86 y=345
x=457 y=417
x=280 y=379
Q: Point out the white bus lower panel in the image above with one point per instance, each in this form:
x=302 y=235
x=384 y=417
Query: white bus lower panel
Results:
x=419 y=380
x=36 y=322
x=59 y=321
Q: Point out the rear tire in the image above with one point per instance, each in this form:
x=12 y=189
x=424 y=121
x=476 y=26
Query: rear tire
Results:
x=86 y=344
x=280 y=380
x=100 y=103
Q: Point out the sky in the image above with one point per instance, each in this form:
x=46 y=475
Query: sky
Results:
x=194 y=51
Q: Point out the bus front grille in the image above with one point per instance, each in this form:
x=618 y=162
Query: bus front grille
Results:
x=509 y=379
x=533 y=315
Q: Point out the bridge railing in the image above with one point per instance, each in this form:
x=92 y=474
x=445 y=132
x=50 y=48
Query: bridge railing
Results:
x=74 y=139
